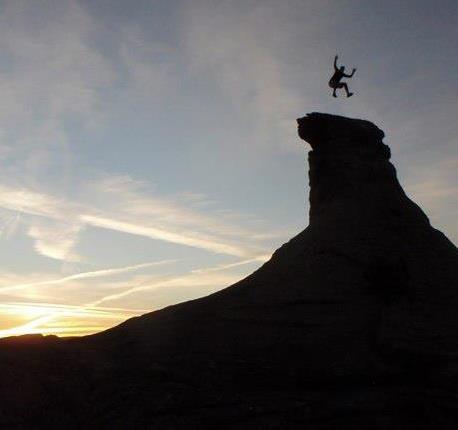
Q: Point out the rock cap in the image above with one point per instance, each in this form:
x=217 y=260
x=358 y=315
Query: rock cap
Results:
x=325 y=131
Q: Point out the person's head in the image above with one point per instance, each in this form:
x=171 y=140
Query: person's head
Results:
x=342 y=68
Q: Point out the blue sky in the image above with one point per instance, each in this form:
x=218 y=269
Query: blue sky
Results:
x=148 y=149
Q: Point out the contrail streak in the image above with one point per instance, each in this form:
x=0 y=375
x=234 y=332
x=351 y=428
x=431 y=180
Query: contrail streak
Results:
x=165 y=235
x=87 y=275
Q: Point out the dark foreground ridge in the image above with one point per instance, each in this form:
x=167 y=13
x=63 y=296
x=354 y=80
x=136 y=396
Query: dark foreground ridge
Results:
x=352 y=324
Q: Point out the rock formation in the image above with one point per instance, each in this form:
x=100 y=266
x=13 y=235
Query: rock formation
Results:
x=351 y=324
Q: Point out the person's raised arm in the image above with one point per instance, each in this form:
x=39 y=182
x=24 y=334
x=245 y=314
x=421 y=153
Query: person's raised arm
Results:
x=351 y=74
x=335 y=63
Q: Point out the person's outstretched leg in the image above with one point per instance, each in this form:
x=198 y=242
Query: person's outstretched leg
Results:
x=345 y=86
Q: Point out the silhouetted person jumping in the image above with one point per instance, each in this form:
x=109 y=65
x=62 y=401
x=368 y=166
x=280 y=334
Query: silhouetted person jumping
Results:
x=339 y=73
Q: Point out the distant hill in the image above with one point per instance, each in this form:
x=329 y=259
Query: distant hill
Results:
x=353 y=324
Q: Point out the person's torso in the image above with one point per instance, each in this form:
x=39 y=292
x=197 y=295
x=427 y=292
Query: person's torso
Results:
x=337 y=76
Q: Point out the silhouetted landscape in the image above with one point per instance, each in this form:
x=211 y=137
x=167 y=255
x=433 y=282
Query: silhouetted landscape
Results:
x=352 y=324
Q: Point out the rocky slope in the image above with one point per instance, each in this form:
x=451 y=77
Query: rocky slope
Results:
x=352 y=324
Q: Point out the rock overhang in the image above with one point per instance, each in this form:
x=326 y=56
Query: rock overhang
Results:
x=320 y=129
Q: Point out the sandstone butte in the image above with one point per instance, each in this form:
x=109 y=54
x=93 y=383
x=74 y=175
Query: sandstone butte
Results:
x=352 y=324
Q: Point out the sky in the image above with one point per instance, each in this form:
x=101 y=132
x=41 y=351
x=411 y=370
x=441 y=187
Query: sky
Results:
x=149 y=152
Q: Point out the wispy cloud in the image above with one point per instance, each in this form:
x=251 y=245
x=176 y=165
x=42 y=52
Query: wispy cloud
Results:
x=50 y=73
x=125 y=210
x=86 y=275
x=28 y=201
x=245 y=62
x=202 y=276
x=161 y=234
x=52 y=222
x=9 y=223
x=55 y=240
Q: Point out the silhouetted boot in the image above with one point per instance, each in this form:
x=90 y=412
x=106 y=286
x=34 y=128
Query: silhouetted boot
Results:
x=349 y=94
